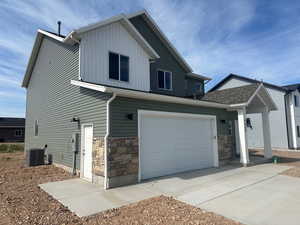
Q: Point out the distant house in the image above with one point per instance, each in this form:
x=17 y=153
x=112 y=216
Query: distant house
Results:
x=285 y=121
x=12 y=129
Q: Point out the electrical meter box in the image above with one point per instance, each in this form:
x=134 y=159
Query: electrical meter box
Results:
x=75 y=142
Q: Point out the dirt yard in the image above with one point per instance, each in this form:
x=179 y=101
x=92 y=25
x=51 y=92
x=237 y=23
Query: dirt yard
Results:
x=23 y=202
x=289 y=158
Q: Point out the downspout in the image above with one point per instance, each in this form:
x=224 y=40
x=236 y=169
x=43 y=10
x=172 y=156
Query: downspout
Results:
x=106 y=137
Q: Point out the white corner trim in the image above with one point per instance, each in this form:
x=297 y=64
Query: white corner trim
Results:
x=106 y=137
x=148 y=96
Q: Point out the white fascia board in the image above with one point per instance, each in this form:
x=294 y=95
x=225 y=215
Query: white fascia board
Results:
x=99 y=24
x=51 y=35
x=176 y=54
x=147 y=95
x=32 y=59
x=34 y=53
x=198 y=76
x=270 y=98
x=254 y=94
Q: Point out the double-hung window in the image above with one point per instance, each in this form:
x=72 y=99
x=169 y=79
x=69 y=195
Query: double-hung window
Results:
x=164 y=79
x=118 y=67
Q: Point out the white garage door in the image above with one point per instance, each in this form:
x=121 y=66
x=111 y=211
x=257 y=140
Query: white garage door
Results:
x=175 y=142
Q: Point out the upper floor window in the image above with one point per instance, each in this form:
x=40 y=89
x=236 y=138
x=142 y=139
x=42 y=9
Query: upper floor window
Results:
x=164 y=79
x=296 y=100
x=118 y=67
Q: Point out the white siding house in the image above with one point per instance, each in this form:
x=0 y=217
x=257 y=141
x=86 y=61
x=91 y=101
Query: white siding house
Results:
x=293 y=113
x=278 y=124
x=95 y=46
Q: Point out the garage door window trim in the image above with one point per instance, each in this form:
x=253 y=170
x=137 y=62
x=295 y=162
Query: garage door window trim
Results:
x=176 y=114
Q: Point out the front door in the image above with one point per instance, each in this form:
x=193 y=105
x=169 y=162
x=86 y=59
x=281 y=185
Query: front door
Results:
x=87 y=151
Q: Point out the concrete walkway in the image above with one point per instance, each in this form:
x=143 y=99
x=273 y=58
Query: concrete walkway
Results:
x=252 y=195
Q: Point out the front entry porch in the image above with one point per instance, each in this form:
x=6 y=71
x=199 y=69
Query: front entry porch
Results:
x=261 y=103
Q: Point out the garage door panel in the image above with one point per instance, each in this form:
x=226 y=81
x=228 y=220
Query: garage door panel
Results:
x=174 y=144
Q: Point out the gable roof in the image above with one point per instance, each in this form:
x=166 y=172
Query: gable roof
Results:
x=12 y=122
x=234 y=76
x=150 y=21
x=292 y=87
x=128 y=25
x=72 y=38
x=241 y=96
x=237 y=95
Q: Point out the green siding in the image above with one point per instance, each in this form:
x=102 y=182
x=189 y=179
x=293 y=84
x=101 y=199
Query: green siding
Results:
x=121 y=126
x=53 y=101
x=165 y=62
x=191 y=82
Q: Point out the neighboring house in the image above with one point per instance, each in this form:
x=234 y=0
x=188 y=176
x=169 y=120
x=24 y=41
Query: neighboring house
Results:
x=121 y=90
x=12 y=129
x=283 y=132
x=293 y=114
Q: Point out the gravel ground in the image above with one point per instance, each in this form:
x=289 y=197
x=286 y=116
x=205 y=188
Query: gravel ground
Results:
x=23 y=202
x=289 y=158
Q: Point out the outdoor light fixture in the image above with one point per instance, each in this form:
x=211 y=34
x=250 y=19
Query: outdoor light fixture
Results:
x=130 y=116
x=248 y=123
x=75 y=119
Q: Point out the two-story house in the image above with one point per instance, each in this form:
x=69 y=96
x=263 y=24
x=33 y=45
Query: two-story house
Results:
x=293 y=114
x=117 y=102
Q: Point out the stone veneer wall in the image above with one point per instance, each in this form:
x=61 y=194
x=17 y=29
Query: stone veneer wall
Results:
x=98 y=159
x=123 y=161
x=225 y=147
x=123 y=158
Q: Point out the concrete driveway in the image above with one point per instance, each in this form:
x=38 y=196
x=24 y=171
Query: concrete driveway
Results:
x=252 y=195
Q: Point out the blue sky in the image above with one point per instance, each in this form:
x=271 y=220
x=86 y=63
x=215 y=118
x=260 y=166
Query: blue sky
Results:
x=259 y=39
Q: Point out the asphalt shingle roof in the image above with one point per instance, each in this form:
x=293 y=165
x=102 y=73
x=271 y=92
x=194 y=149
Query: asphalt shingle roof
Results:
x=230 y=96
x=12 y=122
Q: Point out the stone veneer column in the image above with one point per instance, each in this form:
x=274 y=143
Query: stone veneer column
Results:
x=225 y=147
x=98 y=160
x=123 y=161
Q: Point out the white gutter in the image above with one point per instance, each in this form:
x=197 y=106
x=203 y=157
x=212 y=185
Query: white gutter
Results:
x=106 y=137
x=148 y=96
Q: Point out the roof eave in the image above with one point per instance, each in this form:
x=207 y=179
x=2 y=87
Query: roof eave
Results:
x=198 y=76
x=147 y=95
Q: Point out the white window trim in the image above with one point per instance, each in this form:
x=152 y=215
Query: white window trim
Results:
x=171 y=81
x=119 y=80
